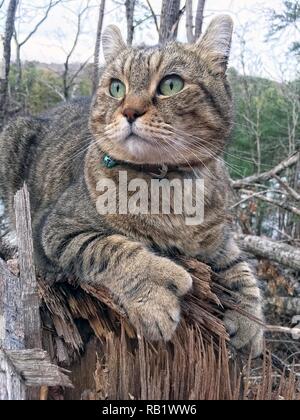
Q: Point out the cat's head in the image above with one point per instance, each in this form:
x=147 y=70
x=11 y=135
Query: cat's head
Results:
x=165 y=104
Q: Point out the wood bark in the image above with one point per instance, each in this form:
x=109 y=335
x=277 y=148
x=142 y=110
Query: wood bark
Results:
x=6 y=56
x=189 y=21
x=130 y=5
x=199 y=18
x=194 y=26
x=170 y=14
x=265 y=248
x=97 y=45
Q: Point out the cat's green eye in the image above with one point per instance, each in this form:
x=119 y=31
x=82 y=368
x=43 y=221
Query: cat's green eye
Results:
x=117 y=89
x=170 y=85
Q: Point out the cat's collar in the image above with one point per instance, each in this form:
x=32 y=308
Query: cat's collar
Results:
x=155 y=171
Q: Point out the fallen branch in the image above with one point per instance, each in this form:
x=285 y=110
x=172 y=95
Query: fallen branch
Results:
x=288 y=188
x=286 y=163
x=265 y=248
x=251 y=195
x=261 y=197
x=285 y=330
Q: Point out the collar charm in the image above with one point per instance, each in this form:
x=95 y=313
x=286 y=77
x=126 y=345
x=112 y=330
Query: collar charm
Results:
x=162 y=172
x=109 y=162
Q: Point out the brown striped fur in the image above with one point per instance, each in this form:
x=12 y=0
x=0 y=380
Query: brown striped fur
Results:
x=59 y=156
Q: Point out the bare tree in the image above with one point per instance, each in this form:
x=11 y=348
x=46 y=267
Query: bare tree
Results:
x=194 y=30
x=97 y=45
x=130 y=5
x=170 y=17
x=153 y=15
x=68 y=78
x=20 y=44
x=6 y=56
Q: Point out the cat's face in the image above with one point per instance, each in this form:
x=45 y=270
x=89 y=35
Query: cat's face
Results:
x=168 y=104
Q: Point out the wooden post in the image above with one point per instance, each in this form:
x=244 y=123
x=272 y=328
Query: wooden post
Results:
x=12 y=386
x=23 y=363
x=30 y=297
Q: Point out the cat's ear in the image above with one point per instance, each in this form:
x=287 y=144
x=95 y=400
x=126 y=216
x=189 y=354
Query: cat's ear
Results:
x=112 y=42
x=217 y=40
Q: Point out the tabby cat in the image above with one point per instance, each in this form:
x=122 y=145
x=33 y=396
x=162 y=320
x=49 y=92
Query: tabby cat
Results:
x=167 y=106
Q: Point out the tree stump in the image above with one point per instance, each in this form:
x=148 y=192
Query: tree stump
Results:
x=86 y=334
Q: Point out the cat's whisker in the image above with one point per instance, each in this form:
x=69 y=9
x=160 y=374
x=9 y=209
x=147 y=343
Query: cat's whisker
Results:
x=207 y=151
x=188 y=149
x=212 y=146
x=172 y=146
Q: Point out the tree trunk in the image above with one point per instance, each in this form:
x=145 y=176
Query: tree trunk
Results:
x=66 y=87
x=199 y=18
x=130 y=5
x=170 y=14
x=5 y=59
x=189 y=21
x=97 y=46
x=19 y=74
x=265 y=248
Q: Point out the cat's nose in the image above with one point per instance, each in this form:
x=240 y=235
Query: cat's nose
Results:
x=132 y=114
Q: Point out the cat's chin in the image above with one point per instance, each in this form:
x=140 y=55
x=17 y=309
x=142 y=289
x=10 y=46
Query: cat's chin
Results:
x=141 y=151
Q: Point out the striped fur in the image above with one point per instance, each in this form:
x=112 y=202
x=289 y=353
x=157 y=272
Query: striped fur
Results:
x=59 y=156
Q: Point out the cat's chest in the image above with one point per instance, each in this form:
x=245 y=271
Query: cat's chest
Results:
x=180 y=212
x=171 y=232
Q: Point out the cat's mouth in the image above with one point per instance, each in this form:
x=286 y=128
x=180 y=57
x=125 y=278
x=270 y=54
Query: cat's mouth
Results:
x=135 y=135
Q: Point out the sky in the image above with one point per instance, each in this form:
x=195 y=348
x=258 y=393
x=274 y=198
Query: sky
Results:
x=55 y=37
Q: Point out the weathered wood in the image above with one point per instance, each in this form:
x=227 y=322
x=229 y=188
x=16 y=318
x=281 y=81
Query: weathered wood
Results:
x=35 y=368
x=30 y=297
x=12 y=386
x=20 y=324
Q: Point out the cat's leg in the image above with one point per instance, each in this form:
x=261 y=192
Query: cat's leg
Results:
x=234 y=273
x=147 y=286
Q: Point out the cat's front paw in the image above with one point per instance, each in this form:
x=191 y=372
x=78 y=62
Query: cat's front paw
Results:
x=246 y=335
x=156 y=308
